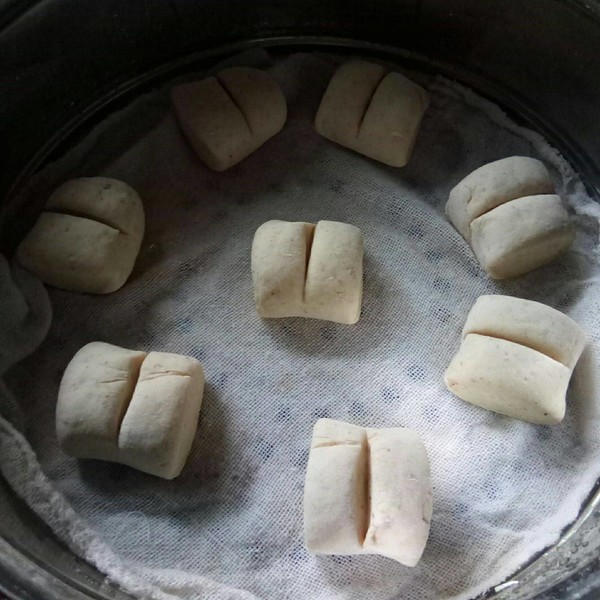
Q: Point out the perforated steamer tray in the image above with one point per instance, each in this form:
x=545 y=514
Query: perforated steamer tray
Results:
x=304 y=191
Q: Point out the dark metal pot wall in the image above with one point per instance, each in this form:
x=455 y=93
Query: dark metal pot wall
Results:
x=56 y=56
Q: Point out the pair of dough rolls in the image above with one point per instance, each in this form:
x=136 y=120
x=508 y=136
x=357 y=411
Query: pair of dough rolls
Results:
x=508 y=211
x=516 y=358
x=305 y=270
x=88 y=236
x=372 y=111
x=226 y=117
x=367 y=491
x=130 y=407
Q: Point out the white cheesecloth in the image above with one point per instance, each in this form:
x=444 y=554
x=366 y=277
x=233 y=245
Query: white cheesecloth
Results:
x=231 y=525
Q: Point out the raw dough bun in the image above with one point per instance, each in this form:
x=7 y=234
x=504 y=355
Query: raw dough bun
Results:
x=516 y=358
x=228 y=116
x=87 y=238
x=367 y=491
x=279 y=258
x=335 y=492
x=494 y=184
x=130 y=407
x=521 y=235
x=159 y=426
x=372 y=113
x=302 y=270
x=509 y=379
x=94 y=394
x=528 y=323
x=401 y=504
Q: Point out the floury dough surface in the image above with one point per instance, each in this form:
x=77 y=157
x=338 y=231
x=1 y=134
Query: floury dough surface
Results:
x=306 y=270
x=367 y=491
x=232 y=521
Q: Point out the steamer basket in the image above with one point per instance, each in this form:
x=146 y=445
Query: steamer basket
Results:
x=538 y=60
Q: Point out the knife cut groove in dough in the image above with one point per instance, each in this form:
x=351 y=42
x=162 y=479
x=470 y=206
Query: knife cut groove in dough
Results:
x=336 y=443
x=309 y=244
x=234 y=101
x=135 y=377
x=366 y=520
x=82 y=215
x=116 y=380
x=369 y=102
x=166 y=374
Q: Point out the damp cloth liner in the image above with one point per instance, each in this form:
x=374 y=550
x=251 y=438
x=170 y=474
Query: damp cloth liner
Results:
x=231 y=525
